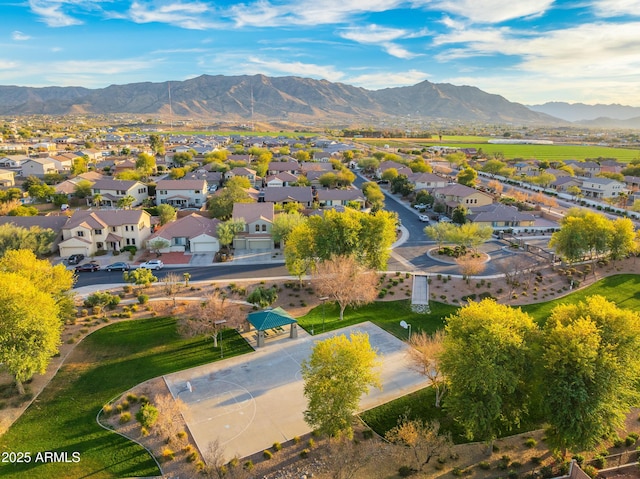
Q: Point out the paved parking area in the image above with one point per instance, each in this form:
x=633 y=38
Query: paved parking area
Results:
x=252 y=401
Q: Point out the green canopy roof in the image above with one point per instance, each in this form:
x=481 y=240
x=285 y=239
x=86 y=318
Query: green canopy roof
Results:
x=270 y=318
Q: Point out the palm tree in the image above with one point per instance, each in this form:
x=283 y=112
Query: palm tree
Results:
x=97 y=199
x=623 y=198
x=126 y=202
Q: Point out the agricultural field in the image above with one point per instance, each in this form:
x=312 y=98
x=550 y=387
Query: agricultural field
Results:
x=557 y=152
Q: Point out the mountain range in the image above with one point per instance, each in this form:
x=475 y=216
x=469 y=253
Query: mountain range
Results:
x=608 y=116
x=258 y=97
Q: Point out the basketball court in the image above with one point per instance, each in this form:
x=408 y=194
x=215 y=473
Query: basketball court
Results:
x=251 y=401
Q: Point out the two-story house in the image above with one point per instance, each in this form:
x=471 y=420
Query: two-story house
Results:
x=87 y=232
x=427 y=181
x=12 y=161
x=276 y=167
x=279 y=180
x=601 y=188
x=111 y=191
x=244 y=172
x=182 y=193
x=38 y=167
x=7 y=178
x=258 y=218
x=453 y=195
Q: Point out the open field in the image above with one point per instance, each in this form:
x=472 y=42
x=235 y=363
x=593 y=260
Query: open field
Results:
x=105 y=364
x=555 y=152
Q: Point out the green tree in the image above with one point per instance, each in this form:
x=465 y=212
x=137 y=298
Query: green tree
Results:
x=140 y=277
x=283 y=224
x=146 y=164
x=582 y=233
x=157 y=144
x=80 y=165
x=181 y=159
x=493 y=167
x=439 y=232
x=34 y=239
x=41 y=191
x=459 y=215
x=389 y=174
x=262 y=296
x=328 y=180
x=126 y=201
x=374 y=195
x=166 y=213
x=147 y=415
x=82 y=189
x=23 y=210
x=228 y=230
x=468 y=177
x=418 y=165
x=30 y=328
x=591 y=369
x=338 y=372
x=221 y=204
x=488 y=359
x=402 y=185
x=621 y=239
x=299 y=251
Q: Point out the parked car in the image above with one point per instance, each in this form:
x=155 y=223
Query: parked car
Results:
x=424 y=218
x=119 y=266
x=75 y=258
x=91 y=266
x=420 y=206
x=444 y=219
x=152 y=264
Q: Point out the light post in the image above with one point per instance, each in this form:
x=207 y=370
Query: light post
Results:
x=406 y=325
x=187 y=387
x=323 y=299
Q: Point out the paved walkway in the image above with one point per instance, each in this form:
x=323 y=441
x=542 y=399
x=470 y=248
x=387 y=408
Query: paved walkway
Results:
x=250 y=402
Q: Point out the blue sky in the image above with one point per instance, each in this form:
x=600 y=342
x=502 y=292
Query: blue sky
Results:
x=529 y=51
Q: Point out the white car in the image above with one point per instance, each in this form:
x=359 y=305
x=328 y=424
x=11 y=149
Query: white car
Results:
x=152 y=264
x=424 y=218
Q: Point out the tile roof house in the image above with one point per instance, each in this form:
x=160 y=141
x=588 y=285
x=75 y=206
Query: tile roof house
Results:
x=12 y=161
x=427 y=181
x=113 y=190
x=182 y=193
x=276 y=167
x=601 y=188
x=280 y=180
x=245 y=172
x=287 y=194
x=258 y=218
x=38 y=167
x=7 y=178
x=498 y=215
x=89 y=231
x=453 y=195
x=400 y=168
x=632 y=183
x=193 y=233
x=329 y=198
x=563 y=183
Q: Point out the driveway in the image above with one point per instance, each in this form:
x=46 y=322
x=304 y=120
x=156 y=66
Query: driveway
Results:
x=250 y=402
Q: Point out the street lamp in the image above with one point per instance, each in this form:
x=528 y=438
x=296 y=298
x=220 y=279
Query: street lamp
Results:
x=323 y=299
x=406 y=325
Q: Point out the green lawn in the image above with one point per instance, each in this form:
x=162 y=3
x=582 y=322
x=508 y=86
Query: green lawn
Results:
x=115 y=359
x=386 y=314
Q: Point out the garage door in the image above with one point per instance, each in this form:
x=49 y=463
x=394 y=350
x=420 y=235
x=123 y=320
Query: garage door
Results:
x=262 y=243
x=204 y=246
x=66 y=251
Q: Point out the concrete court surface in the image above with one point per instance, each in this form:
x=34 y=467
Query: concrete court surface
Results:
x=250 y=402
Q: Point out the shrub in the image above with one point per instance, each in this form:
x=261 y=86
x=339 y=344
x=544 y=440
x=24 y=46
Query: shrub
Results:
x=531 y=443
x=147 y=415
x=485 y=465
x=590 y=471
x=304 y=453
x=536 y=460
x=248 y=465
x=125 y=405
x=143 y=399
x=168 y=454
x=516 y=464
x=296 y=439
x=107 y=409
x=181 y=435
x=143 y=298
x=618 y=442
x=277 y=446
x=512 y=475
x=405 y=471
x=144 y=431
x=312 y=443
x=132 y=397
x=546 y=472
x=192 y=457
x=579 y=458
x=267 y=454
x=234 y=462
x=367 y=434
x=600 y=462
x=125 y=417
x=503 y=463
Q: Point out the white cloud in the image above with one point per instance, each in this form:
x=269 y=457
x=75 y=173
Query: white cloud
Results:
x=379 y=80
x=191 y=16
x=491 y=11
x=383 y=36
x=613 y=8
x=19 y=36
x=257 y=65
x=306 y=12
x=8 y=65
x=51 y=12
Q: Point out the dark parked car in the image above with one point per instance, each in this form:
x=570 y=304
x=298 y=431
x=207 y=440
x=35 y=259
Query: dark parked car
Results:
x=119 y=266
x=75 y=258
x=87 y=267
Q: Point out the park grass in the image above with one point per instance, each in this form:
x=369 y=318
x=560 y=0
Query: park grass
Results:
x=104 y=365
x=386 y=314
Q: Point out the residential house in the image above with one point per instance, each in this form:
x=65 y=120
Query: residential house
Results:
x=128 y=164
x=601 y=188
x=565 y=182
x=244 y=172
x=632 y=183
x=258 y=218
x=557 y=173
x=287 y=194
x=456 y=194
x=87 y=232
x=498 y=215
x=113 y=190
x=276 y=167
x=7 y=178
x=280 y=180
x=525 y=168
x=12 y=161
x=330 y=198
x=322 y=156
x=191 y=234
x=587 y=169
x=182 y=193
x=308 y=166
x=427 y=181
x=313 y=176
x=38 y=167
